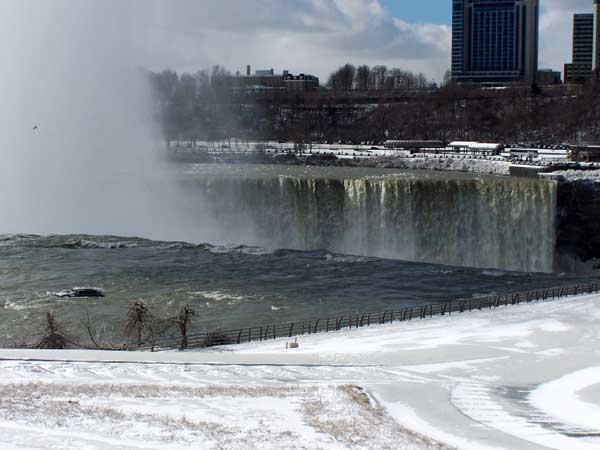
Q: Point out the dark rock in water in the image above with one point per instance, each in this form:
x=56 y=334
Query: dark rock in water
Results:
x=80 y=292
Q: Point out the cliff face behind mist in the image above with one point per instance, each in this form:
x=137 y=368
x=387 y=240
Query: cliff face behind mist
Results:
x=578 y=226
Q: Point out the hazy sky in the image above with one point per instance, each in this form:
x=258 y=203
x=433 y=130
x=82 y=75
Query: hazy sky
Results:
x=314 y=36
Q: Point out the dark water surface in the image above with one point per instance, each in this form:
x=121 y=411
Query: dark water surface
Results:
x=229 y=286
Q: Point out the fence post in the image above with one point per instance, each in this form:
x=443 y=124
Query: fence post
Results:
x=327 y=327
x=261 y=333
x=369 y=320
x=316 y=325
x=239 y=339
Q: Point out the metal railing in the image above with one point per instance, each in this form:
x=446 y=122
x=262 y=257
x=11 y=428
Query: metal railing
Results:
x=348 y=322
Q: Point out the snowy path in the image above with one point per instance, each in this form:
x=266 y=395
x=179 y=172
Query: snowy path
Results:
x=527 y=377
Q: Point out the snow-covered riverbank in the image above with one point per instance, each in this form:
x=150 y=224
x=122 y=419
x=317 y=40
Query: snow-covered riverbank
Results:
x=526 y=377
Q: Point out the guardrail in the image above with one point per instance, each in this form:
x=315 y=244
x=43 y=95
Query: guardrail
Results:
x=309 y=327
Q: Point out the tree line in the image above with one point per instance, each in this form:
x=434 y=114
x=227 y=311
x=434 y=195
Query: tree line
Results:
x=365 y=78
x=141 y=328
x=401 y=105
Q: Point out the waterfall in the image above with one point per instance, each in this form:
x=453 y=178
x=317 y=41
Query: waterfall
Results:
x=490 y=222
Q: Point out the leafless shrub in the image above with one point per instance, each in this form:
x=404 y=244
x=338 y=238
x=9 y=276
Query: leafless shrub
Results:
x=184 y=320
x=101 y=335
x=139 y=321
x=55 y=337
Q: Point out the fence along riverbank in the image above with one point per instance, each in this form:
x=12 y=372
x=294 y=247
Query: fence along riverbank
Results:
x=348 y=322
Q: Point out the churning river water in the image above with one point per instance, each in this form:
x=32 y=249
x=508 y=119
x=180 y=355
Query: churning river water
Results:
x=305 y=224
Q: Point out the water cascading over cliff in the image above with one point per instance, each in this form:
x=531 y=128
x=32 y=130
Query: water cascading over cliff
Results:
x=490 y=222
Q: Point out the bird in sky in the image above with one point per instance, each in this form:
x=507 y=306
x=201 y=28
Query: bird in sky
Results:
x=35 y=128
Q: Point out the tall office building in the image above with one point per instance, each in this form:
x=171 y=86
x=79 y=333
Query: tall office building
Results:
x=583 y=38
x=495 y=40
x=581 y=68
x=596 y=51
x=586 y=48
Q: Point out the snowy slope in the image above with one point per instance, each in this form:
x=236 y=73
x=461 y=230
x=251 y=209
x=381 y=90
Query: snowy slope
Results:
x=525 y=377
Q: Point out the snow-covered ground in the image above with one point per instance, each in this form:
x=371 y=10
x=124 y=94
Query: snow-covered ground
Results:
x=575 y=175
x=455 y=163
x=524 y=377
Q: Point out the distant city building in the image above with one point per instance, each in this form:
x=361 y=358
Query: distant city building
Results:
x=495 y=41
x=268 y=81
x=583 y=38
x=581 y=68
x=548 y=76
x=596 y=51
x=300 y=82
x=578 y=73
x=585 y=64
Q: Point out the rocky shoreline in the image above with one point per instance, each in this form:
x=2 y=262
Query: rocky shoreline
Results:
x=432 y=162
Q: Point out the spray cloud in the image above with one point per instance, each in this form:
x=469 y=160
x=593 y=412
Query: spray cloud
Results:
x=78 y=150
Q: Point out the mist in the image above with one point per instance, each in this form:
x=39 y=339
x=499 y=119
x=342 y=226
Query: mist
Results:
x=79 y=151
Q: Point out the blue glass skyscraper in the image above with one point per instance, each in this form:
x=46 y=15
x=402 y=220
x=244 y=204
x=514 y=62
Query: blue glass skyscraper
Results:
x=495 y=40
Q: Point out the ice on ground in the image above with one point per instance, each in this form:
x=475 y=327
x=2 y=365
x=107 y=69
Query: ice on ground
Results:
x=564 y=398
x=575 y=175
x=517 y=378
x=452 y=163
x=162 y=416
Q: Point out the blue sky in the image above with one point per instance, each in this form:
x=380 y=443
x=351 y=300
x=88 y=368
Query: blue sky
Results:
x=431 y=11
x=317 y=36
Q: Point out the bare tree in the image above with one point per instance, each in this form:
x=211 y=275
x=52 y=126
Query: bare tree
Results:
x=343 y=78
x=447 y=77
x=184 y=320
x=55 y=337
x=422 y=81
x=139 y=319
x=361 y=81
x=101 y=335
x=378 y=75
